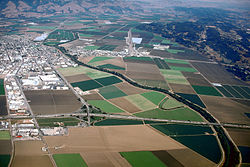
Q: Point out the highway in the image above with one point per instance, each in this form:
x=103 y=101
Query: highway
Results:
x=230 y=125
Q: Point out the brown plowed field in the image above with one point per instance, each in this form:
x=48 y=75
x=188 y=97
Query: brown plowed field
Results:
x=138 y=67
x=92 y=96
x=226 y=110
x=116 y=61
x=5 y=147
x=129 y=89
x=125 y=104
x=180 y=88
x=198 y=81
x=241 y=137
x=144 y=75
x=190 y=158
x=217 y=74
x=85 y=59
x=52 y=101
x=77 y=78
x=29 y=153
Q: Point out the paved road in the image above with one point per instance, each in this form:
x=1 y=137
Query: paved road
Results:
x=131 y=118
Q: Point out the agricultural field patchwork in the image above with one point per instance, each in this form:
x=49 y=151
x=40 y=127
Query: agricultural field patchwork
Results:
x=111 y=92
x=169 y=103
x=193 y=98
x=173 y=76
x=97 y=59
x=154 y=97
x=141 y=102
x=175 y=114
x=66 y=160
x=105 y=106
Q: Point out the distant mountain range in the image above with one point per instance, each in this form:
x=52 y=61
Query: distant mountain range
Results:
x=38 y=8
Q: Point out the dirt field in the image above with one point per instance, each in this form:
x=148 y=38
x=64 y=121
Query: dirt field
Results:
x=226 y=110
x=139 y=67
x=77 y=78
x=116 y=61
x=29 y=153
x=217 y=74
x=85 y=59
x=241 y=137
x=129 y=89
x=144 y=75
x=180 y=88
x=52 y=102
x=5 y=147
x=92 y=96
x=125 y=104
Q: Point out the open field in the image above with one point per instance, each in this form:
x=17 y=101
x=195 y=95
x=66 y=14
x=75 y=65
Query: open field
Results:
x=92 y=96
x=180 y=88
x=91 y=47
x=141 y=102
x=124 y=104
x=142 y=159
x=54 y=122
x=3 y=106
x=153 y=83
x=175 y=114
x=206 y=90
x=34 y=156
x=59 y=35
x=77 y=78
x=154 y=97
x=52 y=102
x=66 y=160
x=193 y=98
x=241 y=137
x=200 y=145
x=42 y=27
x=130 y=89
x=144 y=76
x=110 y=92
x=105 y=106
x=217 y=74
x=112 y=122
x=4 y=135
x=226 y=110
x=6 y=147
x=176 y=61
x=140 y=67
x=139 y=60
x=186 y=69
x=113 y=138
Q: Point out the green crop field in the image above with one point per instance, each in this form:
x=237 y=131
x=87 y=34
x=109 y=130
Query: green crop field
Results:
x=224 y=91
x=62 y=35
x=173 y=76
x=2 y=91
x=179 y=129
x=165 y=41
x=4 y=135
x=231 y=90
x=91 y=47
x=53 y=122
x=176 y=61
x=85 y=35
x=67 y=160
x=42 y=27
x=193 y=98
x=168 y=103
x=108 y=80
x=138 y=58
x=113 y=122
x=111 y=66
x=185 y=69
x=4 y=160
x=142 y=159
x=141 y=102
x=96 y=59
x=184 y=114
x=206 y=90
x=174 y=51
x=154 y=97
x=111 y=92
x=105 y=106
x=87 y=85
x=206 y=145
